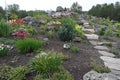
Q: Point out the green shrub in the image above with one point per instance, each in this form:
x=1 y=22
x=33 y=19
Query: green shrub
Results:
x=3 y=51
x=74 y=49
x=102 y=32
x=31 y=30
x=40 y=77
x=19 y=73
x=10 y=73
x=100 y=69
x=118 y=33
x=56 y=29
x=68 y=21
x=109 y=32
x=46 y=63
x=115 y=51
x=66 y=33
x=42 y=31
x=4 y=28
x=5 y=72
x=42 y=15
x=7 y=41
x=62 y=75
x=51 y=34
x=78 y=30
x=28 y=45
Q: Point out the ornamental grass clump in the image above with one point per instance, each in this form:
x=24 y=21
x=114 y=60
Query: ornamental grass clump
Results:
x=47 y=63
x=10 y=73
x=5 y=28
x=3 y=51
x=28 y=45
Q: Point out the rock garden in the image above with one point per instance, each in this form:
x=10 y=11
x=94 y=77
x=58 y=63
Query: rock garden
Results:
x=60 y=47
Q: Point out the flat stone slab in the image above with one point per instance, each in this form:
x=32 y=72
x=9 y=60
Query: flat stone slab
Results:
x=112 y=63
x=116 y=72
x=93 y=75
x=89 y=31
x=92 y=36
x=93 y=42
x=105 y=53
x=85 y=23
x=104 y=48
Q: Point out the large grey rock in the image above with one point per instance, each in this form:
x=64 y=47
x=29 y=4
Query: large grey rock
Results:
x=32 y=21
x=28 y=18
x=59 y=9
x=86 y=26
x=102 y=48
x=79 y=22
x=116 y=72
x=92 y=36
x=112 y=63
x=93 y=75
x=105 y=53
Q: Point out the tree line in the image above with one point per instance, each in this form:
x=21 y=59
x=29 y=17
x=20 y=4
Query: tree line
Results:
x=13 y=12
x=106 y=10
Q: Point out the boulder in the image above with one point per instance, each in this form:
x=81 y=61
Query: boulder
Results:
x=59 y=9
x=79 y=22
x=93 y=75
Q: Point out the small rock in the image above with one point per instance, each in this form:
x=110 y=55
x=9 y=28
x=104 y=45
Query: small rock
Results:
x=66 y=46
x=46 y=40
x=77 y=39
x=29 y=54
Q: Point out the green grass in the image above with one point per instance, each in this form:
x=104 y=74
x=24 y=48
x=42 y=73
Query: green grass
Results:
x=28 y=45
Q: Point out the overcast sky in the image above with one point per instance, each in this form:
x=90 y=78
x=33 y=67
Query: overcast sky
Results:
x=52 y=4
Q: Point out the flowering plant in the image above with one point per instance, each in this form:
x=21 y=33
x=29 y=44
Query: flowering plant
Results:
x=4 y=49
x=19 y=21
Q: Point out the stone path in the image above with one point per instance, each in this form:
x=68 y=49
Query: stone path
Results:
x=112 y=63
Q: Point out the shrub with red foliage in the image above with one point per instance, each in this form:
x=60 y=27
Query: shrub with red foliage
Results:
x=19 y=21
x=22 y=34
